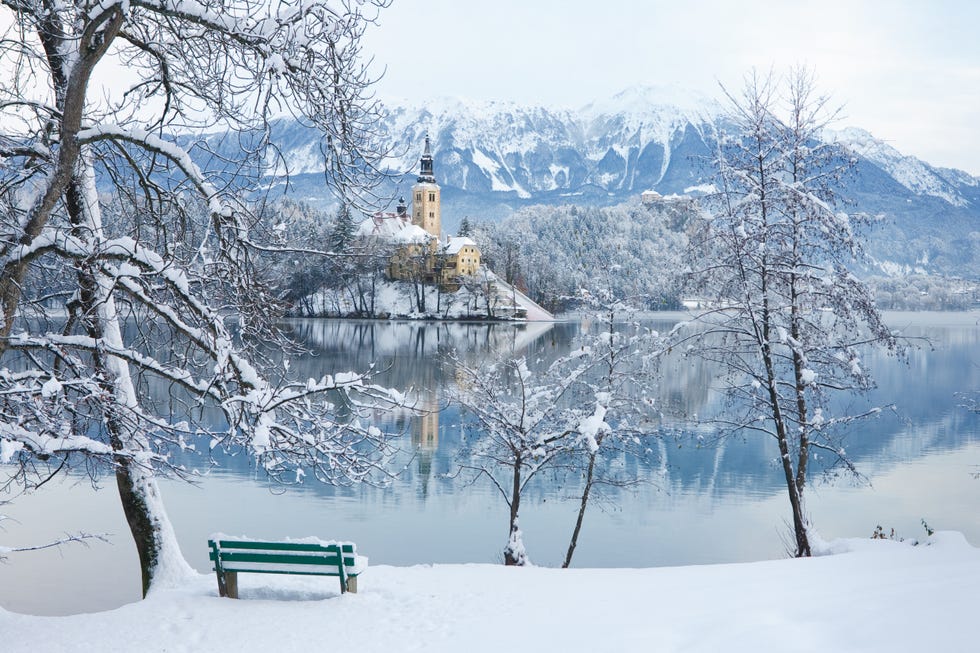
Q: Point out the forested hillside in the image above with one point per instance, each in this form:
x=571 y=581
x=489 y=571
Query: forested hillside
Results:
x=631 y=251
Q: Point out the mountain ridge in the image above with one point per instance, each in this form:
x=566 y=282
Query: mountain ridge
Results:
x=493 y=157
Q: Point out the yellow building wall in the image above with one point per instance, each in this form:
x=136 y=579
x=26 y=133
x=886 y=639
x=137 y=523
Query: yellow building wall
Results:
x=426 y=209
x=467 y=260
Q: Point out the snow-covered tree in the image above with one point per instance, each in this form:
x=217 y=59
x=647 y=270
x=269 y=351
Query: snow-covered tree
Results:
x=343 y=229
x=132 y=306
x=786 y=317
x=565 y=417
x=972 y=400
x=622 y=356
x=552 y=252
x=523 y=428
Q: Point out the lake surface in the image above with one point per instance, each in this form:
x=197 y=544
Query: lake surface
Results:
x=715 y=503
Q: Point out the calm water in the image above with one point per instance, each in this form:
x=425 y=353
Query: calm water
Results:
x=696 y=505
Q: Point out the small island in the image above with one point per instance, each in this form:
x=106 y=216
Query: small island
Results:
x=402 y=268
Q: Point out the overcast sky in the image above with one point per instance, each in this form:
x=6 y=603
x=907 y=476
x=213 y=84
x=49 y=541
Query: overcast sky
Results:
x=907 y=71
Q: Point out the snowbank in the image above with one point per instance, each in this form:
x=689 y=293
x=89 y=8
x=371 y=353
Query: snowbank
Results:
x=869 y=596
x=397 y=300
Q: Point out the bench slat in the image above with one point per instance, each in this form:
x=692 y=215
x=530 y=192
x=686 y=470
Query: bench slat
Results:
x=281 y=546
x=328 y=559
x=259 y=568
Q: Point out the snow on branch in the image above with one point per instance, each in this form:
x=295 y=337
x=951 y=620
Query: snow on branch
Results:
x=169 y=149
x=14 y=438
x=69 y=538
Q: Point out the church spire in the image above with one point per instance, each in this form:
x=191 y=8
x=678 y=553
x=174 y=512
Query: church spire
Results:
x=425 y=207
x=426 y=175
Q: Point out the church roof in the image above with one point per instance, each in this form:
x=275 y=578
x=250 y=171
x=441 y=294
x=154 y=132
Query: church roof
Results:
x=393 y=228
x=412 y=234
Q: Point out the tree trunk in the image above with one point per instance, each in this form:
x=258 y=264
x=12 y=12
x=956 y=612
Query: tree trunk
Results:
x=796 y=502
x=801 y=407
x=514 y=554
x=161 y=561
x=148 y=523
x=374 y=292
x=140 y=522
x=586 y=491
x=795 y=496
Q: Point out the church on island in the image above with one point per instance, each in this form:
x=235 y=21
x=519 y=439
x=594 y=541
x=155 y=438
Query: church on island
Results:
x=420 y=254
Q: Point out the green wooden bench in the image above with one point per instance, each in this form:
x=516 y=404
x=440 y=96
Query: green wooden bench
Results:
x=308 y=557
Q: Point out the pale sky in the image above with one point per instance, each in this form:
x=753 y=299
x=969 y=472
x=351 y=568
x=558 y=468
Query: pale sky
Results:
x=907 y=71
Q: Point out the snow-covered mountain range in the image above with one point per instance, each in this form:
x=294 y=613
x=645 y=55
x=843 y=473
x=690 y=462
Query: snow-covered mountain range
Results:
x=624 y=144
x=491 y=158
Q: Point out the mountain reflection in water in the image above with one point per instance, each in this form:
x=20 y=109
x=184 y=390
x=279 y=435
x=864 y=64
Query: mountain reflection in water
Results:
x=700 y=501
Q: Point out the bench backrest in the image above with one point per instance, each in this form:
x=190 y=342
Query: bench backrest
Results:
x=305 y=558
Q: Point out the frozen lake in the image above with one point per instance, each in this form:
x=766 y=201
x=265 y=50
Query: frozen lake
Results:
x=713 y=504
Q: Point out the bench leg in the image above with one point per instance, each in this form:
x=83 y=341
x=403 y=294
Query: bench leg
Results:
x=231 y=584
x=352 y=584
x=222 y=589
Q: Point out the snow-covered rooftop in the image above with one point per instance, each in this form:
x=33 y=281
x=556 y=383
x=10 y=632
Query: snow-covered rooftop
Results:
x=412 y=234
x=455 y=243
x=392 y=227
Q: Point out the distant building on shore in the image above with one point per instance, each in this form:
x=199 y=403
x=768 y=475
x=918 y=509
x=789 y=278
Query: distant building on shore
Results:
x=653 y=198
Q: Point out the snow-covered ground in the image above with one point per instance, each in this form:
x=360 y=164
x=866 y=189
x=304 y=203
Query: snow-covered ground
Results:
x=396 y=300
x=871 y=595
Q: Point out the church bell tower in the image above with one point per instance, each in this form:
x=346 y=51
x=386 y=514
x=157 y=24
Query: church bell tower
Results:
x=426 y=211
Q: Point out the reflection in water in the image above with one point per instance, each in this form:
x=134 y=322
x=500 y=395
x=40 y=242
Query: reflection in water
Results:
x=425 y=435
x=416 y=356
x=425 y=425
x=699 y=501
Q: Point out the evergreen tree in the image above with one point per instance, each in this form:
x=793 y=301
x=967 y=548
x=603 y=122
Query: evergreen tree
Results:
x=343 y=229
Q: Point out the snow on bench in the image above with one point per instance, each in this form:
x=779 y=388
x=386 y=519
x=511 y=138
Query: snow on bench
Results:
x=307 y=557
